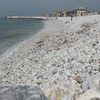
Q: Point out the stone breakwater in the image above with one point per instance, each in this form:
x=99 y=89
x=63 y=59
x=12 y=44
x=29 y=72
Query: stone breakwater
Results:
x=63 y=60
x=29 y=17
x=21 y=93
x=26 y=92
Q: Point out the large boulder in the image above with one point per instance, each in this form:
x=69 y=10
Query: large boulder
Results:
x=89 y=95
x=21 y=93
x=58 y=92
x=92 y=82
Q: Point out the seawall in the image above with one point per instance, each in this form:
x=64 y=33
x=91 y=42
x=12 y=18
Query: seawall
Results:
x=28 y=17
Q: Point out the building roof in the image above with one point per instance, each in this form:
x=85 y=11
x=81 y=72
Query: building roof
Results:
x=82 y=8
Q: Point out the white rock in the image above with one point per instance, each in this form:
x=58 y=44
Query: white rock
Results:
x=58 y=92
x=88 y=95
x=92 y=82
x=95 y=84
x=69 y=97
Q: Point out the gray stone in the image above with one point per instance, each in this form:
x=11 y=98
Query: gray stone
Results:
x=54 y=71
x=95 y=98
x=39 y=75
x=69 y=97
x=92 y=82
x=79 y=79
x=21 y=93
x=34 y=97
x=85 y=85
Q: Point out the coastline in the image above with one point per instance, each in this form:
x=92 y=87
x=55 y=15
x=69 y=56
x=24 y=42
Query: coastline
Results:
x=46 y=27
x=23 y=47
x=65 y=53
x=16 y=46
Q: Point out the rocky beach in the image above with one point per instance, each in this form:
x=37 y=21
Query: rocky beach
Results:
x=63 y=60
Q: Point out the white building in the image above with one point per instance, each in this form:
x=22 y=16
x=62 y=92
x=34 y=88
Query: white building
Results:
x=81 y=11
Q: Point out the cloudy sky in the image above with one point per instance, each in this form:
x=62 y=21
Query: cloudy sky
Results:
x=36 y=7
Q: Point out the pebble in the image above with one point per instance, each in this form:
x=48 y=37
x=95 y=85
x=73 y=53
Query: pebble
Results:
x=89 y=95
x=79 y=79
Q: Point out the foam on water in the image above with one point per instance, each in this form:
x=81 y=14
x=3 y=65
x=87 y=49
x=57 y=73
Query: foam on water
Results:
x=13 y=31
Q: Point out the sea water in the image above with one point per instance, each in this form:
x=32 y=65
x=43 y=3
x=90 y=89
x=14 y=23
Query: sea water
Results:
x=13 y=31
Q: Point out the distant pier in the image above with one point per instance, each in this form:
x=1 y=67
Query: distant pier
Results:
x=27 y=17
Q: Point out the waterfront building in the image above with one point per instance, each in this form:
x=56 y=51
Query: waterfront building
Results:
x=81 y=11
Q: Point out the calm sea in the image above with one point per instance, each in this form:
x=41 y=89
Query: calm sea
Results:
x=13 y=31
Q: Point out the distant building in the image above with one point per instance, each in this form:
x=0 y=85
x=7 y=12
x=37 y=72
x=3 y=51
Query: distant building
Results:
x=45 y=15
x=59 y=14
x=98 y=12
x=64 y=14
x=81 y=11
x=69 y=13
x=92 y=13
x=56 y=14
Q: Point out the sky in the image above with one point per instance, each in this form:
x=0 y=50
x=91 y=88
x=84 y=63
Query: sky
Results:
x=38 y=7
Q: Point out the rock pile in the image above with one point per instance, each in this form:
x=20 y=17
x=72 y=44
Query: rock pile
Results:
x=21 y=93
x=65 y=60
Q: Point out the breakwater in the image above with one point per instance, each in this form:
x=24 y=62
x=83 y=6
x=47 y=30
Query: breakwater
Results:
x=26 y=17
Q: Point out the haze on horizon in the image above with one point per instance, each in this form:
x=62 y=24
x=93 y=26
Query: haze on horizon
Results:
x=37 y=7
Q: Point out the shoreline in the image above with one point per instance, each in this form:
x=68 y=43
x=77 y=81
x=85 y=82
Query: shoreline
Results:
x=34 y=38
x=28 y=43
x=16 y=46
x=64 y=56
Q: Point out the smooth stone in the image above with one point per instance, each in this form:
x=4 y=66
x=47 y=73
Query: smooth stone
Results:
x=54 y=71
x=85 y=86
x=95 y=84
x=67 y=97
x=92 y=83
x=95 y=98
x=79 y=79
x=89 y=95
x=39 y=75
x=21 y=93
x=58 y=92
